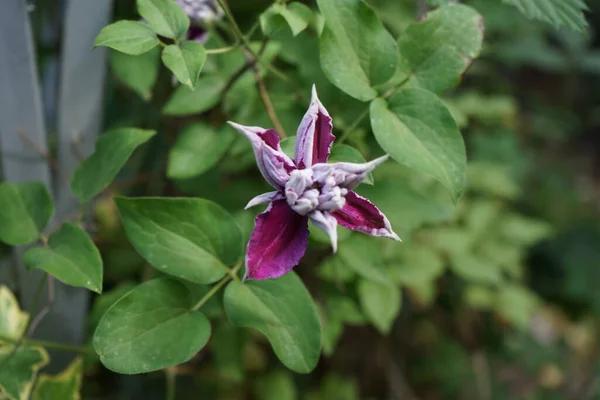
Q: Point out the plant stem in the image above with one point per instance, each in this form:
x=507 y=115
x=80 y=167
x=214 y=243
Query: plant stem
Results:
x=171 y=383
x=246 y=43
x=229 y=277
x=222 y=49
x=353 y=125
x=49 y=345
x=264 y=95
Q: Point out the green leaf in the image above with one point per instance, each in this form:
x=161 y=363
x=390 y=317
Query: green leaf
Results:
x=357 y=52
x=295 y=15
x=13 y=321
x=113 y=149
x=557 y=12
x=277 y=385
x=25 y=209
x=197 y=149
x=517 y=304
x=344 y=309
x=165 y=17
x=492 y=179
x=380 y=302
x=283 y=310
x=70 y=256
x=475 y=269
x=415 y=266
x=522 y=230
x=362 y=254
x=417 y=130
x=104 y=302
x=64 y=386
x=19 y=369
x=345 y=153
x=436 y=52
x=186 y=61
x=193 y=239
x=139 y=72
x=185 y=101
x=479 y=297
x=130 y=37
x=151 y=328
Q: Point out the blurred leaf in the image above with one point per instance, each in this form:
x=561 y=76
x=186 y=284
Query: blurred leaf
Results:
x=13 y=321
x=480 y=297
x=344 y=309
x=436 y=52
x=64 y=386
x=25 y=209
x=165 y=17
x=415 y=265
x=492 y=179
x=361 y=254
x=474 y=269
x=151 y=328
x=295 y=15
x=113 y=149
x=490 y=109
x=451 y=239
x=70 y=256
x=357 y=52
x=277 y=385
x=522 y=230
x=185 y=61
x=417 y=130
x=185 y=101
x=19 y=370
x=282 y=310
x=228 y=349
x=197 y=149
x=137 y=72
x=517 y=304
x=336 y=387
x=332 y=269
x=380 y=302
x=480 y=215
x=192 y=239
x=557 y=12
x=130 y=37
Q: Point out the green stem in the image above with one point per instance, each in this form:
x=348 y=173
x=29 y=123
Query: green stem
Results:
x=222 y=49
x=231 y=275
x=353 y=126
x=246 y=43
x=171 y=383
x=48 y=345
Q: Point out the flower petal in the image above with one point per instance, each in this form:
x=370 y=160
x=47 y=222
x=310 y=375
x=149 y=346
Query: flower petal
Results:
x=345 y=174
x=264 y=198
x=197 y=34
x=278 y=242
x=273 y=163
x=359 y=214
x=326 y=222
x=314 y=137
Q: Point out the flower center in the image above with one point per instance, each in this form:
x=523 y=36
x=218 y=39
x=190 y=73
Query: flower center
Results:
x=304 y=194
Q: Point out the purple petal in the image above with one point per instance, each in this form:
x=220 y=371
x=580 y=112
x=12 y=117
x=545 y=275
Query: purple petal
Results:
x=264 y=198
x=197 y=34
x=314 y=137
x=273 y=163
x=278 y=242
x=359 y=214
x=326 y=222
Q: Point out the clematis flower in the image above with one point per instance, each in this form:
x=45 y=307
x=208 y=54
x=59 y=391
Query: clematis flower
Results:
x=201 y=12
x=305 y=188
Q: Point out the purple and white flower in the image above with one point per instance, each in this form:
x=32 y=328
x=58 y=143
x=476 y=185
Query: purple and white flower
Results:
x=305 y=188
x=200 y=12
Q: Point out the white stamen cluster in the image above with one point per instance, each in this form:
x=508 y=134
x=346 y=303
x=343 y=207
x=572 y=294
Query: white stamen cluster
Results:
x=304 y=194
